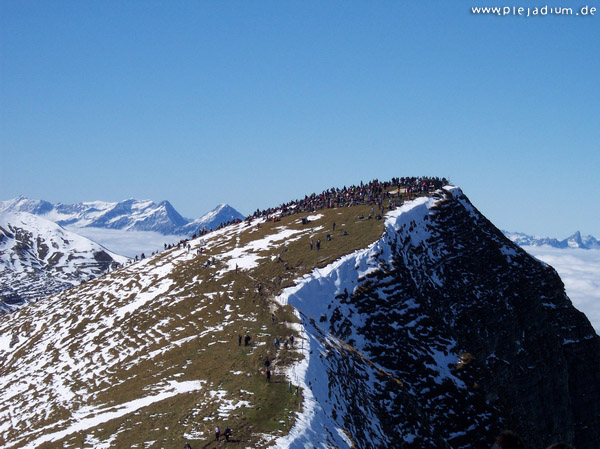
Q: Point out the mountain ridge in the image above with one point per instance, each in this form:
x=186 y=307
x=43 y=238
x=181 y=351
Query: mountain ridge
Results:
x=426 y=329
x=574 y=241
x=130 y=214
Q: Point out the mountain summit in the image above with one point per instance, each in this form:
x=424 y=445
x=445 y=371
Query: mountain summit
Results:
x=386 y=318
x=223 y=213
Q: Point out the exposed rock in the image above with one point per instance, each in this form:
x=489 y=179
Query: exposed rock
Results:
x=481 y=336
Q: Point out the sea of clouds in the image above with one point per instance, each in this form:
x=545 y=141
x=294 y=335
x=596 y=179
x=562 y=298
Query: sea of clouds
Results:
x=127 y=243
x=579 y=270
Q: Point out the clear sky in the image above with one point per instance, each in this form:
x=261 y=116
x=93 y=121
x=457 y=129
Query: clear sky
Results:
x=255 y=103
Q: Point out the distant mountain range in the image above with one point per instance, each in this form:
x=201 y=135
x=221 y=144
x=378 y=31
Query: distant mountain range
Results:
x=574 y=241
x=130 y=215
x=39 y=258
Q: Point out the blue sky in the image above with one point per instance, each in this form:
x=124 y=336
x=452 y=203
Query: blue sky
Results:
x=254 y=103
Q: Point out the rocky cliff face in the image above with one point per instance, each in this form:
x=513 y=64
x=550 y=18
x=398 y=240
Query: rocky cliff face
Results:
x=444 y=333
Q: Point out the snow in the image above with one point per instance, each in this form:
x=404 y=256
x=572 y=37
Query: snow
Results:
x=312 y=217
x=89 y=417
x=5 y=342
x=443 y=361
x=247 y=257
x=311 y=296
x=131 y=214
x=39 y=257
x=143 y=298
x=49 y=231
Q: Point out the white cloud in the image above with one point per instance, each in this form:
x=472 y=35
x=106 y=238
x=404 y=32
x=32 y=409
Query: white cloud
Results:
x=127 y=243
x=579 y=270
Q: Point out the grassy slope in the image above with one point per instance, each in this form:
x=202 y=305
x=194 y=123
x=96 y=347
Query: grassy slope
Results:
x=210 y=353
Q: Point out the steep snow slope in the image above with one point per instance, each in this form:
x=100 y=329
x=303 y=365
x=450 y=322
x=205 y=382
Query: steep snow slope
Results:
x=38 y=258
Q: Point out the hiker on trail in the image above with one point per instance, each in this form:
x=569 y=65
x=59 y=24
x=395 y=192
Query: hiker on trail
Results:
x=267 y=363
x=272 y=318
x=217 y=433
x=318 y=244
x=239 y=339
x=311 y=245
x=259 y=288
x=333 y=227
x=276 y=342
x=247 y=340
x=292 y=340
x=268 y=372
x=227 y=434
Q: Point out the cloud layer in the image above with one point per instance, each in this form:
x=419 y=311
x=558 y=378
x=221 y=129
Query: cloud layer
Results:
x=579 y=269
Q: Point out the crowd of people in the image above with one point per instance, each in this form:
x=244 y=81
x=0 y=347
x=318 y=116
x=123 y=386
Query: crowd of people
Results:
x=372 y=193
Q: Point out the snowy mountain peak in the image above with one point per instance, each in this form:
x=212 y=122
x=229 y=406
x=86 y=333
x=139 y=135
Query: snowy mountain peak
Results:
x=24 y=204
x=130 y=214
x=574 y=241
x=223 y=213
x=39 y=257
